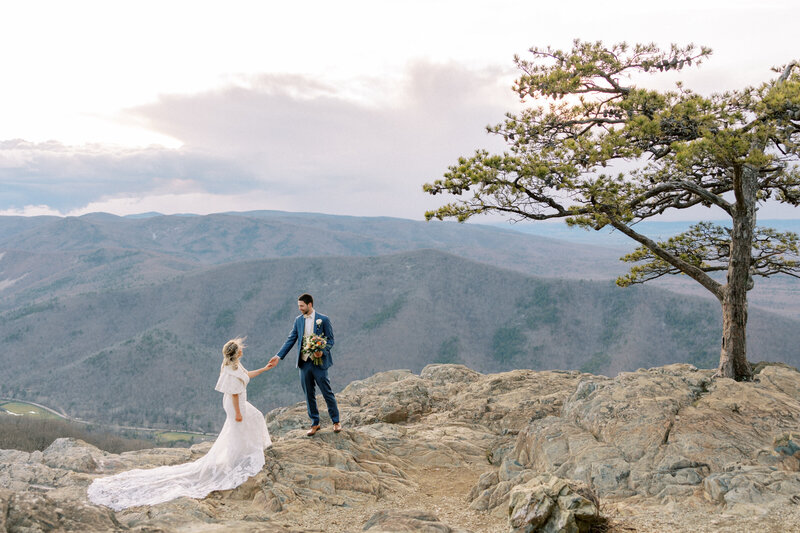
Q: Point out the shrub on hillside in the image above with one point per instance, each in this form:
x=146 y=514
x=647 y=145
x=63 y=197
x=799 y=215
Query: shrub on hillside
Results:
x=31 y=434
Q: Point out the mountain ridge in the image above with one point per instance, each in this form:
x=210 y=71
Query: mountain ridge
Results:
x=184 y=242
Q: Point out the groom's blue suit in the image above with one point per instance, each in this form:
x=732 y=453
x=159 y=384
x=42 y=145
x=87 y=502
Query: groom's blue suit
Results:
x=311 y=374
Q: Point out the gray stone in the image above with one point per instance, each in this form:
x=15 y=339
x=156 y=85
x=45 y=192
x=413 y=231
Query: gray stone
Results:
x=34 y=512
x=654 y=431
x=411 y=520
x=450 y=374
x=510 y=469
x=72 y=454
x=548 y=503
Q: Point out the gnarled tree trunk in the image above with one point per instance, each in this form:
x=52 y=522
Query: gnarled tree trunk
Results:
x=733 y=357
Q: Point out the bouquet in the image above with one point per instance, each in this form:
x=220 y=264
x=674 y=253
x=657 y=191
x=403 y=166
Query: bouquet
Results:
x=313 y=344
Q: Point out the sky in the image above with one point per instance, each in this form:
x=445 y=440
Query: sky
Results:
x=343 y=107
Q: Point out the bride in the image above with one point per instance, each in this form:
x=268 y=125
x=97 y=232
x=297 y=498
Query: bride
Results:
x=237 y=454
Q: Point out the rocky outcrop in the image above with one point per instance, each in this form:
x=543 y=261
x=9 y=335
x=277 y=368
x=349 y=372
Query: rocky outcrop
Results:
x=397 y=521
x=664 y=435
x=29 y=511
x=520 y=450
x=548 y=503
x=345 y=469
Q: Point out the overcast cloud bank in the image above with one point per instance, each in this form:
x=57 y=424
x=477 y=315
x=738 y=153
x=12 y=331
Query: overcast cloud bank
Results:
x=274 y=142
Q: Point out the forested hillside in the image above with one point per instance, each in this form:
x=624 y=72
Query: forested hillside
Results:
x=149 y=355
x=47 y=256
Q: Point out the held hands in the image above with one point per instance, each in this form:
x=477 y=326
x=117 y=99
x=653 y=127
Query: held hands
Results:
x=254 y=373
x=273 y=363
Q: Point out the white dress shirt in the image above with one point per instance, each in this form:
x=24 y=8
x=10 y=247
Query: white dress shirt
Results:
x=309 y=329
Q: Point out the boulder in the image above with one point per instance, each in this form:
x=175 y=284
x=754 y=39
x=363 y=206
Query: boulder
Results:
x=450 y=374
x=72 y=454
x=32 y=512
x=551 y=504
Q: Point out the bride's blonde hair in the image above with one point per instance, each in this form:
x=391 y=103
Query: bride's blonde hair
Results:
x=230 y=352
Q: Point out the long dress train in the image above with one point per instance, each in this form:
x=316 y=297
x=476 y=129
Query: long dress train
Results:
x=236 y=455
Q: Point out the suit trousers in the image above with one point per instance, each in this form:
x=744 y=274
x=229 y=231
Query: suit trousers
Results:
x=311 y=375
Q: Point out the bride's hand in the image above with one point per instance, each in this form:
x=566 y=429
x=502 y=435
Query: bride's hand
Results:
x=238 y=417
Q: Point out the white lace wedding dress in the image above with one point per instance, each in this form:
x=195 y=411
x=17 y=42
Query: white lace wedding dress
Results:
x=237 y=454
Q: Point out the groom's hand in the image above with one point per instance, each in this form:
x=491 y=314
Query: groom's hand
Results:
x=273 y=362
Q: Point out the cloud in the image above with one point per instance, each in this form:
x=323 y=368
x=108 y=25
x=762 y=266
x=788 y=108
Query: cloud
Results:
x=291 y=129
x=67 y=177
x=285 y=142
x=366 y=146
x=31 y=211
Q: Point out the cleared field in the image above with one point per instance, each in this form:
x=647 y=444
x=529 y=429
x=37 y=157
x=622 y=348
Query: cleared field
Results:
x=26 y=409
x=33 y=414
x=177 y=436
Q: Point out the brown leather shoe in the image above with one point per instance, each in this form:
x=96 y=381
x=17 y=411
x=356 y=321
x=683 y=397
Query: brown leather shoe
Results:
x=313 y=431
x=337 y=427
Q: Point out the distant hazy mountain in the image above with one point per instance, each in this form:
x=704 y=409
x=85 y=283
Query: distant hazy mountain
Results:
x=779 y=294
x=149 y=354
x=221 y=238
x=608 y=237
x=46 y=257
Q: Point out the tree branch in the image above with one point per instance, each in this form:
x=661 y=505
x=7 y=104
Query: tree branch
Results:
x=686 y=186
x=690 y=270
x=787 y=71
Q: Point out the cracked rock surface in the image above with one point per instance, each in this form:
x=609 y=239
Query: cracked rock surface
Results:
x=454 y=450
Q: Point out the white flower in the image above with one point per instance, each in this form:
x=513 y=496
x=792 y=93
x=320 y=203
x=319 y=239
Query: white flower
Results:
x=319 y=321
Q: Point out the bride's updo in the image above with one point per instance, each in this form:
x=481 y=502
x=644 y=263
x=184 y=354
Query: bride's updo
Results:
x=230 y=352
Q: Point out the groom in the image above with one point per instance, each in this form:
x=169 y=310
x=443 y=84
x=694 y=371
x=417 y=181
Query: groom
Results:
x=308 y=323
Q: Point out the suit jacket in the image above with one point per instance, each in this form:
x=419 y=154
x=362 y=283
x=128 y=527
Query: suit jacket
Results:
x=324 y=328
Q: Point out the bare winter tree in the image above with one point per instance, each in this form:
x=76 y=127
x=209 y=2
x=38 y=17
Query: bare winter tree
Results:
x=727 y=151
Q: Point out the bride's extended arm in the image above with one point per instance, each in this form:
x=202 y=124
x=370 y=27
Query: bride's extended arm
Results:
x=253 y=373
